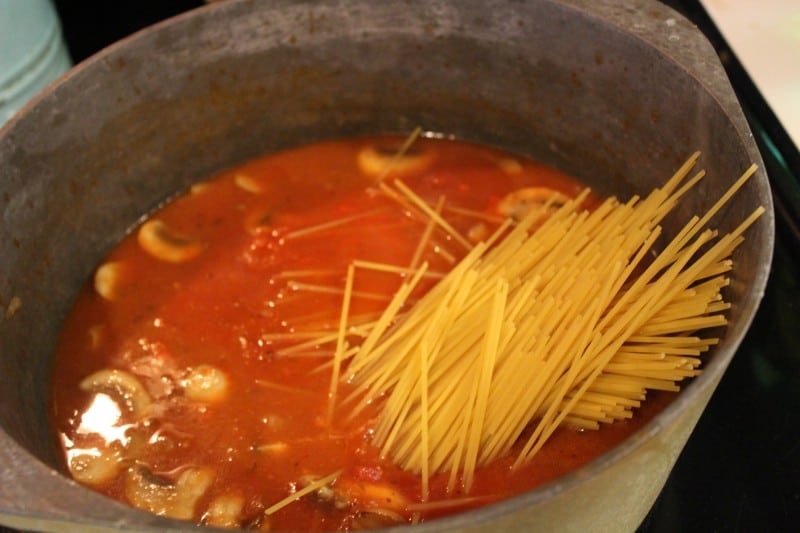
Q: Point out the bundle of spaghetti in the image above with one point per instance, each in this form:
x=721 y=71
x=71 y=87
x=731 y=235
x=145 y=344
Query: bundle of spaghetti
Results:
x=561 y=319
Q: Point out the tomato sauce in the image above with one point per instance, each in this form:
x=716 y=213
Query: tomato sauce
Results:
x=220 y=338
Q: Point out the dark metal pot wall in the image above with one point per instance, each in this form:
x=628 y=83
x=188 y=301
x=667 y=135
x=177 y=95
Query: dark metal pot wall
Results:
x=618 y=95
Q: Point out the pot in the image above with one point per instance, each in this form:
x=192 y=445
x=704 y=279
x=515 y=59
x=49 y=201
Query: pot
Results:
x=616 y=94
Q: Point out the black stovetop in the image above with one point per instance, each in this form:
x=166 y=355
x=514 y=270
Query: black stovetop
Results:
x=740 y=470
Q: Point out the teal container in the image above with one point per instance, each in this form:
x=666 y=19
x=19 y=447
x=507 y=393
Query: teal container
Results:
x=32 y=52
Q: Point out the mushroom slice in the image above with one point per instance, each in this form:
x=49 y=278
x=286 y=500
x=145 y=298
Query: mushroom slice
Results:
x=161 y=242
x=225 y=511
x=95 y=466
x=162 y=496
x=122 y=386
x=205 y=383
x=519 y=203
x=199 y=187
x=95 y=335
x=381 y=159
x=510 y=166
x=107 y=279
x=248 y=183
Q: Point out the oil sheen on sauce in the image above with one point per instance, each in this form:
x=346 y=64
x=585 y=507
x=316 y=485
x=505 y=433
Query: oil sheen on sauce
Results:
x=187 y=381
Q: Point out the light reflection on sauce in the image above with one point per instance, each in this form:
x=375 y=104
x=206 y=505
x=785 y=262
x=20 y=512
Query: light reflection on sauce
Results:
x=102 y=418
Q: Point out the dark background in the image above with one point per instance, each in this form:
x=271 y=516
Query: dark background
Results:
x=740 y=470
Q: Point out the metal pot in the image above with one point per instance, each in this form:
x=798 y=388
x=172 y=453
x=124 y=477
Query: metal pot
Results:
x=617 y=94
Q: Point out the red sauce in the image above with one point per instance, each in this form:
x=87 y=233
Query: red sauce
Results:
x=251 y=278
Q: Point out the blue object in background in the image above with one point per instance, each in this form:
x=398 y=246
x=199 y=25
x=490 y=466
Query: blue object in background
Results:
x=32 y=52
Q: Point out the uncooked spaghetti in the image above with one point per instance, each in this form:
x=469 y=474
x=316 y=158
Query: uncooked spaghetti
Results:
x=560 y=320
